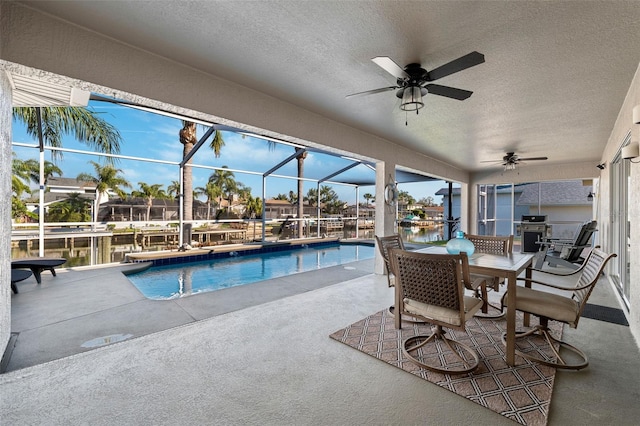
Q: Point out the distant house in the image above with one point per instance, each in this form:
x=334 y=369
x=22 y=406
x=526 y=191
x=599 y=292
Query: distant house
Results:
x=58 y=189
x=280 y=209
x=561 y=201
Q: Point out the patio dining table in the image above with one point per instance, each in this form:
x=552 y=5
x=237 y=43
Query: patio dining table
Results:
x=504 y=266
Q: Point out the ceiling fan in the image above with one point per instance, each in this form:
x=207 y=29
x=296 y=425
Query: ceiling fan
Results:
x=413 y=82
x=511 y=159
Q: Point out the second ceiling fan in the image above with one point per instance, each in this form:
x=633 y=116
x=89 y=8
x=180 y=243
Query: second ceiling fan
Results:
x=511 y=160
x=413 y=82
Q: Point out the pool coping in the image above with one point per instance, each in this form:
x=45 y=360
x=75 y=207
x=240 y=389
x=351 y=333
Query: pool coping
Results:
x=175 y=257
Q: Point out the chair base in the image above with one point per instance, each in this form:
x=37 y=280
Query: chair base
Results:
x=466 y=365
x=551 y=341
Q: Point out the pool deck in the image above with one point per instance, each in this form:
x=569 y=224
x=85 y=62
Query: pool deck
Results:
x=56 y=318
x=258 y=355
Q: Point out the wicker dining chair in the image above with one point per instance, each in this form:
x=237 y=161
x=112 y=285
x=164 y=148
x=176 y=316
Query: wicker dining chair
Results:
x=384 y=244
x=430 y=288
x=491 y=245
x=552 y=306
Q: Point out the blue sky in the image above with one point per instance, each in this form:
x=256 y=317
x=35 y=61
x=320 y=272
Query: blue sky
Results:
x=149 y=135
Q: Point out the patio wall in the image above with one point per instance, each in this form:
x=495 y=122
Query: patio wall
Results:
x=622 y=127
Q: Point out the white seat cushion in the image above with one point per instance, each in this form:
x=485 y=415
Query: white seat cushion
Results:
x=445 y=315
x=549 y=305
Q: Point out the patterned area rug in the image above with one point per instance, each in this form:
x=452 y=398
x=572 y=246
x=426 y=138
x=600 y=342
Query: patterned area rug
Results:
x=521 y=393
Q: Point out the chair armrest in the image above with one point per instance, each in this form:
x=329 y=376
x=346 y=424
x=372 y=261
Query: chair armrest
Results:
x=558 y=274
x=475 y=284
x=559 y=287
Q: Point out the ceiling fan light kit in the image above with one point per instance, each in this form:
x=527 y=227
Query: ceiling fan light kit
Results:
x=412 y=99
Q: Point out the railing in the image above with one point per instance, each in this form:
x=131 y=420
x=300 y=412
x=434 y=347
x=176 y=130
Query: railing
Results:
x=88 y=243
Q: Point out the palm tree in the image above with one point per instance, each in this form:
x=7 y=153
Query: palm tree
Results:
x=254 y=206
x=33 y=168
x=76 y=208
x=174 y=188
x=368 y=197
x=106 y=177
x=225 y=180
x=188 y=138
x=20 y=174
x=212 y=191
x=84 y=124
x=150 y=193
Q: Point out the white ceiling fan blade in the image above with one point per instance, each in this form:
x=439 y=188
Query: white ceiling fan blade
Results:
x=387 y=64
x=371 y=92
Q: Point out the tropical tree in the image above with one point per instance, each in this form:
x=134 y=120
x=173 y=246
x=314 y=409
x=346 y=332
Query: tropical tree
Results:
x=76 y=208
x=188 y=139
x=405 y=197
x=106 y=177
x=33 y=169
x=212 y=192
x=254 y=206
x=293 y=198
x=150 y=193
x=368 y=197
x=174 y=188
x=312 y=197
x=329 y=200
x=84 y=124
x=19 y=186
x=427 y=201
x=225 y=180
x=55 y=122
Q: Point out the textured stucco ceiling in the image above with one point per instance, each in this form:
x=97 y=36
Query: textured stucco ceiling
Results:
x=555 y=76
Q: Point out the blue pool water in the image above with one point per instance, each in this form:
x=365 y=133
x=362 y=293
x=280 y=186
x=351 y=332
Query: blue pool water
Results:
x=172 y=281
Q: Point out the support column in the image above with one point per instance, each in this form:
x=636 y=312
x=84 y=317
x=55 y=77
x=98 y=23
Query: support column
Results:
x=386 y=223
x=5 y=209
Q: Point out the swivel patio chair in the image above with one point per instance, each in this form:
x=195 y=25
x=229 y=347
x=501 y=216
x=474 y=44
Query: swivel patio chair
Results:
x=492 y=245
x=551 y=306
x=430 y=288
x=384 y=244
x=566 y=252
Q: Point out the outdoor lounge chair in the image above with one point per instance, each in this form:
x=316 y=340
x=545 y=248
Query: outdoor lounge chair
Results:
x=552 y=306
x=18 y=275
x=566 y=252
x=430 y=288
x=38 y=264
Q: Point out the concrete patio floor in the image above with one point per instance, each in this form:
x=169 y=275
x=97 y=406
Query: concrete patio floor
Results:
x=258 y=354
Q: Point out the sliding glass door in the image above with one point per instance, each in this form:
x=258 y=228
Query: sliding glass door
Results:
x=620 y=242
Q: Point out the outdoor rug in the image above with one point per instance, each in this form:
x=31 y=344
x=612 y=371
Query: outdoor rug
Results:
x=521 y=393
x=605 y=313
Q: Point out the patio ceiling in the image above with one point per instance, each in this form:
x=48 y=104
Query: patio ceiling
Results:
x=555 y=76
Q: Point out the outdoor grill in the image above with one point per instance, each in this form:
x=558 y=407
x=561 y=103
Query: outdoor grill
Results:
x=533 y=229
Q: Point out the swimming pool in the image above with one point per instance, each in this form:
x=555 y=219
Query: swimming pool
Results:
x=173 y=281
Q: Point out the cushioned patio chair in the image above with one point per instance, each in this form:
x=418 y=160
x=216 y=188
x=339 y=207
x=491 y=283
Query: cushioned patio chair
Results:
x=38 y=264
x=430 y=288
x=567 y=309
x=384 y=244
x=492 y=245
x=566 y=252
